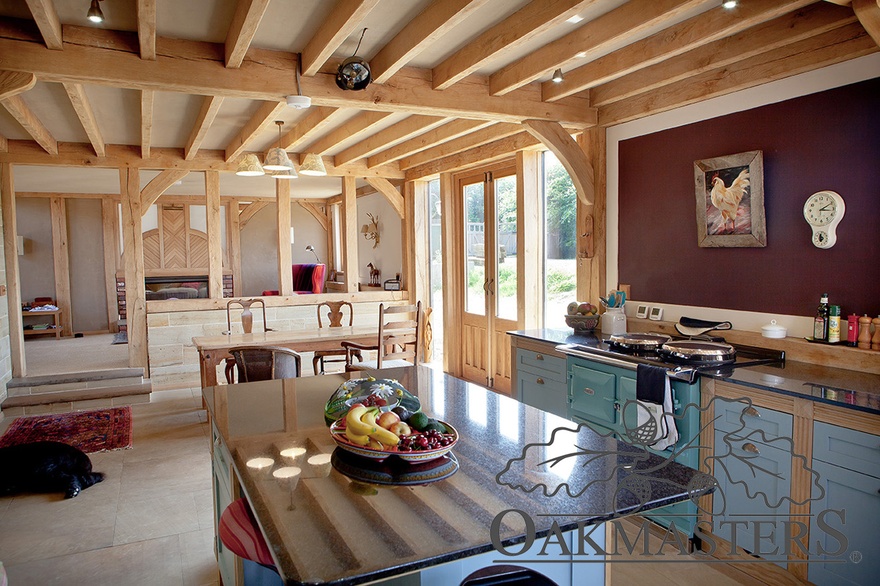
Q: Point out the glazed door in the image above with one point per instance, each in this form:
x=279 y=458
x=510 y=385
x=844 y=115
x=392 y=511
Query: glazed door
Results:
x=489 y=280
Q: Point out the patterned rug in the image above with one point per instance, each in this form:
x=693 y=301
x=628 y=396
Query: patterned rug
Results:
x=90 y=431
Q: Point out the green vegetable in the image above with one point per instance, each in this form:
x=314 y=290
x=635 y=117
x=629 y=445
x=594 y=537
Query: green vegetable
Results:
x=433 y=424
x=418 y=421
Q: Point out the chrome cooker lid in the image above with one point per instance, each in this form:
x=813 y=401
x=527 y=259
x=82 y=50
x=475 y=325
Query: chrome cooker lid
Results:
x=638 y=341
x=698 y=352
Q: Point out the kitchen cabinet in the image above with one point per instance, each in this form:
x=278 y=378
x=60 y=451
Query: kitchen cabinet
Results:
x=223 y=479
x=540 y=378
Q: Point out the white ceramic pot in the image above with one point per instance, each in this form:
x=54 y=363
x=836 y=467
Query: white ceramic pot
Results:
x=772 y=330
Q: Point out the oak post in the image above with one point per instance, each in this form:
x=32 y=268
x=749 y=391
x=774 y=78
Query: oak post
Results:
x=133 y=254
x=13 y=283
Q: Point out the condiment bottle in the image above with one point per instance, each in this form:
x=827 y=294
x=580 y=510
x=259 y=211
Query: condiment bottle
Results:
x=820 y=322
x=865 y=332
x=834 y=324
x=875 y=341
x=852 y=330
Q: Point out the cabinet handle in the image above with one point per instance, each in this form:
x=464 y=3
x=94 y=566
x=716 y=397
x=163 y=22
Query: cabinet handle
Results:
x=616 y=406
x=540 y=381
x=751 y=412
x=589 y=391
x=750 y=448
x=539 y=357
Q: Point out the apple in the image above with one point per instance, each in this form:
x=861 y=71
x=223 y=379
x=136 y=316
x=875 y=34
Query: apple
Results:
x=400 y=429
x=572 y=308
x=584 y=308
x=388 y=419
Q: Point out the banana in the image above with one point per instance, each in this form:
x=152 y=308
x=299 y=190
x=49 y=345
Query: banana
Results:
x=354 y=422
x=379 y=433
x=361 y=440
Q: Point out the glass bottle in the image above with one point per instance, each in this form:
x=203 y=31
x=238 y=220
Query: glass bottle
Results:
x=834 y=324
x=820 y=323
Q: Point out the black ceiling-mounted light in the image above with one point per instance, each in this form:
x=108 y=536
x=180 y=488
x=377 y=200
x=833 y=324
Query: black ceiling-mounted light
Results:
x=354 y=73
x=94 y=14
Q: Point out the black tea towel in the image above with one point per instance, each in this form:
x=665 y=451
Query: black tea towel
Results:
x=650 y=383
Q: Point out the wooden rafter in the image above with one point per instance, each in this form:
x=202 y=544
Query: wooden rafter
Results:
x=318 y=120
x=701 y=29
x=590 y=39
x=448 y=131
x=147 y=98
x=83 y=108
x=435 y=21
x=342 y=21
x=360 y=125
x=46 y=17
x=4 y=144
x=520 y=27
x=317 y=212
x=391 y=194
x=403 y=130
x=572 y=157
x=250 y=211
x=262 y=118
x=248 y=15
x=19 y=110
x=868 y=12
x=207 y=113
x=480 y=155
x=13 y=83
x=159 y=185
x=460 y=144
x=146 y=22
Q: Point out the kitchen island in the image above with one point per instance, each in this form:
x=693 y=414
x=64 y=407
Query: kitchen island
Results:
x=521 y=474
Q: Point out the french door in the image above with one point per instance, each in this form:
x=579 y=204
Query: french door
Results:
x=488 y=286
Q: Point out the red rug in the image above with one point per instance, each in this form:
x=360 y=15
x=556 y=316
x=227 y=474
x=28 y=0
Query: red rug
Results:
x=90 y=431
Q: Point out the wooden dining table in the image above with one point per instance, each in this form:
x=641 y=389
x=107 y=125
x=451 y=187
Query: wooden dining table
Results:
x=215 y=349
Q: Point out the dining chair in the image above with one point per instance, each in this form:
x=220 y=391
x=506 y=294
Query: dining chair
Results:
x=247 y=324
x=335 y=316
x=255 y=363
x=398 y=342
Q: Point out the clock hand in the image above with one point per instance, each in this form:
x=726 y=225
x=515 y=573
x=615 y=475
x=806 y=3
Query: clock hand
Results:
x=826 y=208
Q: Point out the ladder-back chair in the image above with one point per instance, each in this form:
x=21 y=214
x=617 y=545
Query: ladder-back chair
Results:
x=398 y=342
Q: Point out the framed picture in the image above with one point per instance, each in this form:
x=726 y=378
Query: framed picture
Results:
x=730 y=201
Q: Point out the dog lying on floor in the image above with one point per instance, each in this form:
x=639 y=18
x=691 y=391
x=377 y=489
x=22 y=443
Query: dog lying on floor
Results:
x=46 y=467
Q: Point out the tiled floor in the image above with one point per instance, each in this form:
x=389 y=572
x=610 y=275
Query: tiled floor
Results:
x=149 y=522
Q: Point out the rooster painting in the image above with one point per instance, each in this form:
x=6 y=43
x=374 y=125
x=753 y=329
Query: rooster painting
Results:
x=727 y=201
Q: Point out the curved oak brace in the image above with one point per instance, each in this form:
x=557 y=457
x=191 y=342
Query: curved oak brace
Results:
x=316 y=213
x=390 y=192
x=159 y=185
x=558 y=140
x=868 y=13
x=13 y=83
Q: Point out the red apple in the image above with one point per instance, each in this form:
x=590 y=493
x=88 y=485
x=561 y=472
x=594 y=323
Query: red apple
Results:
x=584 y=308
x=400 y=429
x=388 y=419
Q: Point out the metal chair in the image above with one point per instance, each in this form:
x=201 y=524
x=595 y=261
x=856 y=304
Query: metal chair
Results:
x=398 y=343
x=255 y=363
x=335 y=315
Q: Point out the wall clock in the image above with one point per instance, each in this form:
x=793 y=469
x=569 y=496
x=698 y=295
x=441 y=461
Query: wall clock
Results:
x=823 y=211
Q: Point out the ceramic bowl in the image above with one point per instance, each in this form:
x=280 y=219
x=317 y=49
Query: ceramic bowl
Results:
x=772 y=330
x=582 y=323
x=360 y=389
x=337 y=430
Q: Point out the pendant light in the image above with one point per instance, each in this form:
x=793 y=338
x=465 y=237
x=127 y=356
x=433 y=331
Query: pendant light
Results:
x=354 y=73
x=286 y=174
x=313 y=165
x=94 y=14
x=276 y=158
x=249 y=166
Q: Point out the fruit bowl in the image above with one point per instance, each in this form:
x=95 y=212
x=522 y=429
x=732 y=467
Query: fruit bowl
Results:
x=359 y=390
x=582 y=323
x=337 y=430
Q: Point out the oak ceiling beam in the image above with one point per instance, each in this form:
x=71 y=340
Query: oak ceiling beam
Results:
x=207 y=113
x=430 y=25
x=389 y=192
x=147 y=99
x=840 y=44
x=316 y=122
x=4 y=144
x=159 y=185
x=403 y=130
x=868 y=12
x=146 y=22
x=426 y=140
x=518 y=28
x=250 y=211
x=481 y=155
x=46 y=17
x=360 y=125
x=790 y=28
x=19 y=110
x=342 y=21
x=317 y=213
x=632 y=18
x=83 y=108
x=569 y=153
x=13 y=83
x=704 y=28
x=192 y=67
x=460 y=144
x=262 y=118
x=248 y=15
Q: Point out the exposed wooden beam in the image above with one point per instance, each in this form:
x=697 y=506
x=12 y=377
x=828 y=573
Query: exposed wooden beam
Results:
x=460 y=144
x=212 y=221
x=632 y=18
x=147 y=99
x=699 y=30
x=520 y=27
x=248 y=15
x=342 y=21
x=838 y=45
x=316 y=213
x=233 y=245
x=249 y=211
x=787 y=29
x=146 y=17
x=262 y=118
x=13 y=83
x=358 y=126
x=317 y=121
x=83 y=108
x=426 y=28
x=391 y=194
x=207 y=113
x=47 y=21
x=133 y=254
x=159 y=185
x=403 y=130
x=349 y=231
x=558 y=140
x=282 y=204
x=448 y=131
x=4 y=144
x=480 y=155
x=16 y=106
x=110 y=232
x=61 y=261
x=13 y=274
x=868 y=12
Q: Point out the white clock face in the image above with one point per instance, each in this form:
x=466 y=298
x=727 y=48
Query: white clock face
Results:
x=820 y=238
x=820 y=209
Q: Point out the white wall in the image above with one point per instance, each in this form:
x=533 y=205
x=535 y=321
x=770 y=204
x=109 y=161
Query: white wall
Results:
x=388 y=255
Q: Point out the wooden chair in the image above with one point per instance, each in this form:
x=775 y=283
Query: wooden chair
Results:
x=398 y=342
x=335 y=315
x=247 y=324
x=255 y=363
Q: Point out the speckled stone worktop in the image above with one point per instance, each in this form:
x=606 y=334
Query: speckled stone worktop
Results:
x=326 y=528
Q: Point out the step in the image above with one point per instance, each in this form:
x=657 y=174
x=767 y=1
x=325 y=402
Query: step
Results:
x=76 y=400
x=116 y=377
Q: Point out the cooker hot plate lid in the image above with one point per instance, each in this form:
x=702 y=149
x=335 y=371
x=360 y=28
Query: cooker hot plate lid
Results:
x=698 y=352
x=638 y=341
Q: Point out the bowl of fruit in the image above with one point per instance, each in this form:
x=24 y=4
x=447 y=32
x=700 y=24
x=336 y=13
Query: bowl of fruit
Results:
x=582 y=317
x=384 y=393
x=413 y=437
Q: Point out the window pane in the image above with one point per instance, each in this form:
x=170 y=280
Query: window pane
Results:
x=560 y=241
x=475 y=263
x=505 y=238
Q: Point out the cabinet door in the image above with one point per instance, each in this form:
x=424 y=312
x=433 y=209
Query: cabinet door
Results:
x=541 y=392
x=859 y=495
x=593 y=395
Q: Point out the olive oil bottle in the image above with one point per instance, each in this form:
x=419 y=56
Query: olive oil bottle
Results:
x=820 y=323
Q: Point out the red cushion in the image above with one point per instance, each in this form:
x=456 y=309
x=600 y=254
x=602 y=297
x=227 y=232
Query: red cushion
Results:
x=239 y=533
x=308 y=278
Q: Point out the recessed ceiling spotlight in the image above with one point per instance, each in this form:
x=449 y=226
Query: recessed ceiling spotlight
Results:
x=729 y=4
x=557 y=76
x=575 y=19
x=95 y=14
x=581 y=55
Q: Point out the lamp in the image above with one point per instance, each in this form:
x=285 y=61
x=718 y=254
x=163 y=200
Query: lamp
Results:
x=311 y=249
x=313 y=165
x=276 y=158
x=729 y=4
x=286 y=174
x=299 y=101
x=354 y=73
x=371 y=230
x=557 y=76
x=249 y=166
x=94 y=14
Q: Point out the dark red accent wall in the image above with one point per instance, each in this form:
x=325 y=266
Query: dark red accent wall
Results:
x=825 y=141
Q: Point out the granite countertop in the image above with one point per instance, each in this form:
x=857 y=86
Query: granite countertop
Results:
x=836 y=386
x=329 y=527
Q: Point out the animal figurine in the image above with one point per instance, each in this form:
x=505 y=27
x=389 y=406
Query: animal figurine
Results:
x=46 y=467
x=374 y=275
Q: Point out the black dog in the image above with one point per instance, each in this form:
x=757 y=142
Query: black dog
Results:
x=46 y=467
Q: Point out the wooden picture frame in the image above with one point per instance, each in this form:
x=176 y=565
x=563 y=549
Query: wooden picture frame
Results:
x=730 y=201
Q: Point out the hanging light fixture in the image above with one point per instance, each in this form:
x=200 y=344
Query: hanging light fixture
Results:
x=286 y=174
x=312 y=165
x=249 y=166
x=276 y=158
x=354 y=73
x=95 y=14
x=557 y=76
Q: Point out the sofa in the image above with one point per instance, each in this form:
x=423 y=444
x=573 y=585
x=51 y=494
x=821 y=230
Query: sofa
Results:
x=307 y=278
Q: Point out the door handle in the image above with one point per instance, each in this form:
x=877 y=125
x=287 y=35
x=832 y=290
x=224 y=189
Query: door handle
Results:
x=751 y=412
x=540 y=381
x=589 y=391
x=750 y=448
x=491 y=282
x=486 y=286
x=616 y=406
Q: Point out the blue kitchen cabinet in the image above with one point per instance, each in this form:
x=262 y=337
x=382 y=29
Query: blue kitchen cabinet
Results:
x=541 y=381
